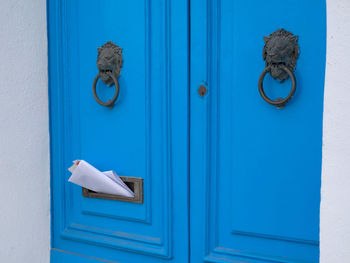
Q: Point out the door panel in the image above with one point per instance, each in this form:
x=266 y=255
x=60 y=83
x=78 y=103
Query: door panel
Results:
x=255 y=169
x=144 y=135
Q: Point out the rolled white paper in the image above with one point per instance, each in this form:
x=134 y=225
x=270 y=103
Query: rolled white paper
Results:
x=85 y=175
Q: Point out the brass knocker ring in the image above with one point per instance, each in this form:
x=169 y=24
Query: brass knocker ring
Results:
x=110 y=102
x=278 y=102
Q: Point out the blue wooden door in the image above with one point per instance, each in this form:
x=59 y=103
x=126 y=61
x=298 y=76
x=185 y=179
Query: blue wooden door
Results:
x=145 y=134
x=255 y=169
x=226 y=176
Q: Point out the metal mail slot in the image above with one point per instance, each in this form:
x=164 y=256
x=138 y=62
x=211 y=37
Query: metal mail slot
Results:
x=134 y=183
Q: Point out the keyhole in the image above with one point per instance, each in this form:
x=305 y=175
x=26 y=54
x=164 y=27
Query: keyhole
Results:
x=202 y=90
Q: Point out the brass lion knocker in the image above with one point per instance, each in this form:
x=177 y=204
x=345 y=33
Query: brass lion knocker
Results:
x=109 y=63
x=280 y=53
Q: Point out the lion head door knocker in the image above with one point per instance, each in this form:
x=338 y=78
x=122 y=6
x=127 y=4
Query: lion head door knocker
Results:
x=280 y=53
x=109 y=63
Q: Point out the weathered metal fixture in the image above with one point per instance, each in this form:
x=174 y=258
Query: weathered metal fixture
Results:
x=109 y=64
x=202 y=90
x=134 y=183
x=280 y=53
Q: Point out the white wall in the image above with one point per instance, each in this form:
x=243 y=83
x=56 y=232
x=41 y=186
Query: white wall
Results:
x=335 y=193
x=24 y=133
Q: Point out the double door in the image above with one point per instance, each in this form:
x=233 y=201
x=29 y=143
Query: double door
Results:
x=223 y=175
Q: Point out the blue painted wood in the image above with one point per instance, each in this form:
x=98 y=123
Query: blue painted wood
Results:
x=227 y=177
x=255 y=170
x=144 y=135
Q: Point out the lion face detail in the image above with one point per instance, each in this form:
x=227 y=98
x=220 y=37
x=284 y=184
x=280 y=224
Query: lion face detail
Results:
x=109 y=60
x=281 y=47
